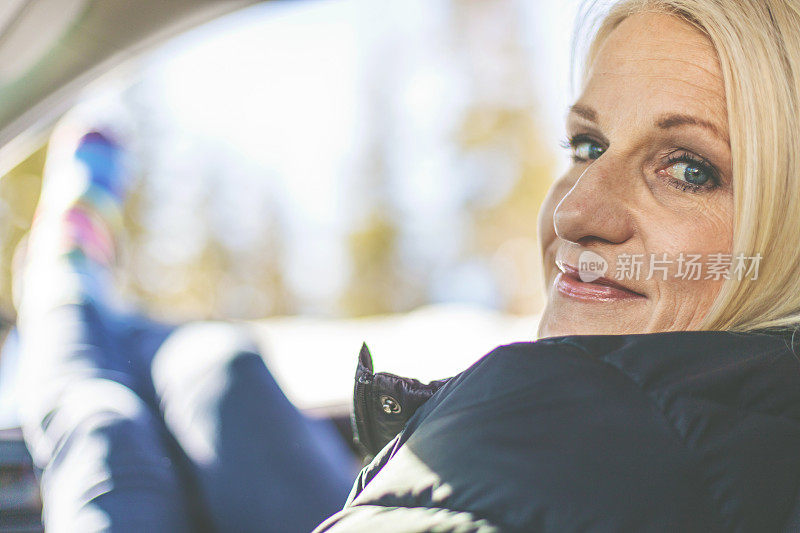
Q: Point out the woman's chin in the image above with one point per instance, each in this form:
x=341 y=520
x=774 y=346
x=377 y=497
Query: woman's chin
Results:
x=563 y=329
x=562 y=319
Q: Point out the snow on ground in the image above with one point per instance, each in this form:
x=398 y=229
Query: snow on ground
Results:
x=314 y=360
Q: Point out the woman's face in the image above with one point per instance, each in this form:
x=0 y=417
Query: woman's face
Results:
x=650 y=186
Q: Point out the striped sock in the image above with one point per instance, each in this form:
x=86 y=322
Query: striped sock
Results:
x=73 y=239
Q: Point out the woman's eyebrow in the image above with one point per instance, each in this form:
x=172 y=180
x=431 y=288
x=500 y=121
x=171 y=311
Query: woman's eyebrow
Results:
x=676 y=120
x=664 y=122
x=584 y=111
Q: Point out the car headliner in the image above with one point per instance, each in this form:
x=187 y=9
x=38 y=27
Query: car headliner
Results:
x=51 y=49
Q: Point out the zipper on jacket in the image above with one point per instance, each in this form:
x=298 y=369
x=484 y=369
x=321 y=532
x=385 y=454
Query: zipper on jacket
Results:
x=361 y=413
x=361 y=398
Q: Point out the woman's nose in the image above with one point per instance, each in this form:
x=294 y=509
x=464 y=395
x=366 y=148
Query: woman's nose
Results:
x=595 y=208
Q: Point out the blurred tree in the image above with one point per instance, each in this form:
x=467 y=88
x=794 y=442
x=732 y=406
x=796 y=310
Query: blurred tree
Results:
x=214 y=278
x=501 y=161
x=372 y=250
x=19 y=194
x=498 y=132
x=377 y=282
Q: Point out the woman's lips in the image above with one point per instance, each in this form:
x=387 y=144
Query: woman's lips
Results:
x=603 y=289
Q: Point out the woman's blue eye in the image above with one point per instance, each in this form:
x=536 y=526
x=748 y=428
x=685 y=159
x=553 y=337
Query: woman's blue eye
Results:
x=690 y=173
x=586 y=150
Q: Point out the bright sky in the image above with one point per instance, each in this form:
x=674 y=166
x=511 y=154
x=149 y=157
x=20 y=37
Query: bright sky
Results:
x=234 y=60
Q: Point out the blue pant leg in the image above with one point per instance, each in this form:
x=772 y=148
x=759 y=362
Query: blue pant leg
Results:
x=103 y=451
x=261 y=465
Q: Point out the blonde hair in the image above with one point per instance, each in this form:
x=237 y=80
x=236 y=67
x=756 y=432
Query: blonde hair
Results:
x=758 y=46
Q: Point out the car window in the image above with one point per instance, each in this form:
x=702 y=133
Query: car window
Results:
x=339 y=159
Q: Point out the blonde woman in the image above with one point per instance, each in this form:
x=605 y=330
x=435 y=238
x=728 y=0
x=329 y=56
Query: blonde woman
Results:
x=662 y=395
x=676 y=236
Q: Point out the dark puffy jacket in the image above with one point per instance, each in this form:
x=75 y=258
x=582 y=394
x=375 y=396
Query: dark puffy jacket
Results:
x=689 y=431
